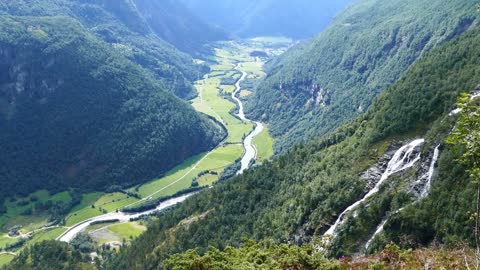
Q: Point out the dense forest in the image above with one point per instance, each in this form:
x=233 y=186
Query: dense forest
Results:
x=296 y=196
x=320 y=84
x=76 y=111
x=142 y=29
x=298 y=19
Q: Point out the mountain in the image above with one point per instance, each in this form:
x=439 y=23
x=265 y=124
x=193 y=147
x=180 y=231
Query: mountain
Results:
x=175 y=23
x=300 y=194
x=149 y=30
x=77 y=112
x=320 y=84
x=251 y=18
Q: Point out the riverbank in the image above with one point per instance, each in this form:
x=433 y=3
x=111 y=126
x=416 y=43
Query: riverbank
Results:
x=214 y=99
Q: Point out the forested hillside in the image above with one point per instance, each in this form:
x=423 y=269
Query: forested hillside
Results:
x=147 y=30
x=173 y=22
x=250 y=18
x=299 y=194
x=320 y=84
x=76 y=112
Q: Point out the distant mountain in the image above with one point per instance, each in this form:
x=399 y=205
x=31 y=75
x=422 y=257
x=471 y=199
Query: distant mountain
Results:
x=173 y=22
x=78 y=112
x=297 y=19
x=320 y=84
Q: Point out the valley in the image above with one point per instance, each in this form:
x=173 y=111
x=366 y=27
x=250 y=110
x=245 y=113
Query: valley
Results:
x=220 y=95
x=227 y=135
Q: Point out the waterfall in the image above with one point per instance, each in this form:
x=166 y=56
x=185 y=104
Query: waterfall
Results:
x=403 y=159
x=426 y=190
x=431 y=170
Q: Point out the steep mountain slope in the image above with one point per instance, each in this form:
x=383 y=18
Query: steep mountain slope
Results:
x=250 y=18
x=173 y=22
x=75 y=112
x=302 y=192
x=142 y=28
x=320 y=84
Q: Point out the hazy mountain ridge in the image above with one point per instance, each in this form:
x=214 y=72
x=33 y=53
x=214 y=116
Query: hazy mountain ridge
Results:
x=295 y=19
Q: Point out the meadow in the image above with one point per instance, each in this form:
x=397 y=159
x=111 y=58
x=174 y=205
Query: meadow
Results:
x=214 y=100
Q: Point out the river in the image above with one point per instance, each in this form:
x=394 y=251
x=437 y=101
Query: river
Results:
x=250 y=150
x=249 y=154
x=73 y=231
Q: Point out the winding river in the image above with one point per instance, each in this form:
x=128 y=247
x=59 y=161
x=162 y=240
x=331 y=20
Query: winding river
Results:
x=250 y=150
x=249 y=154
x=73 y=231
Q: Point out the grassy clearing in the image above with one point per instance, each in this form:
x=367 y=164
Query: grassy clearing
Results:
x=127 y=230
x=102 y=204
x=245 y=93
x=18 y=210
x=87 y=200
x=211 y=101
x=264 y=144
x=182 y=179
x=176 y=173
x=46 y=235
x=5 y=259
x=227 y=88
x=82 y=215
x=5 y=240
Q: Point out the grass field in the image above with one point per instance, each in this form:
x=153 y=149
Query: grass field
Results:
x=5 y=240
x=264 y=145
x=17 y=207
x=46 y=235
x=211 y=101
x=245 y=93
x=181 y=178
x=102 y=203
x=5 y=259
x=127 y=230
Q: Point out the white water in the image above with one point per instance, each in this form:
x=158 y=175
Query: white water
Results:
x=431 y=170
x=424 y=194
x=401 y=160
x=73 y=231
x=250 y=151
x=377 y=232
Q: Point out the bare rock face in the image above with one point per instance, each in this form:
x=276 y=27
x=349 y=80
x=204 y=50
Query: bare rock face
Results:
x=319 y=95
x=17 y=76
x=373 y=174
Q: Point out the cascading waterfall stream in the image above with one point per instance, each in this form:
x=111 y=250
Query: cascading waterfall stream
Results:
x=431 y=171
x=425 y=192
x=403 y=159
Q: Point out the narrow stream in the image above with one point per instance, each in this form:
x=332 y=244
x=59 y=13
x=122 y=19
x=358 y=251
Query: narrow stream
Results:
x=250 y=150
